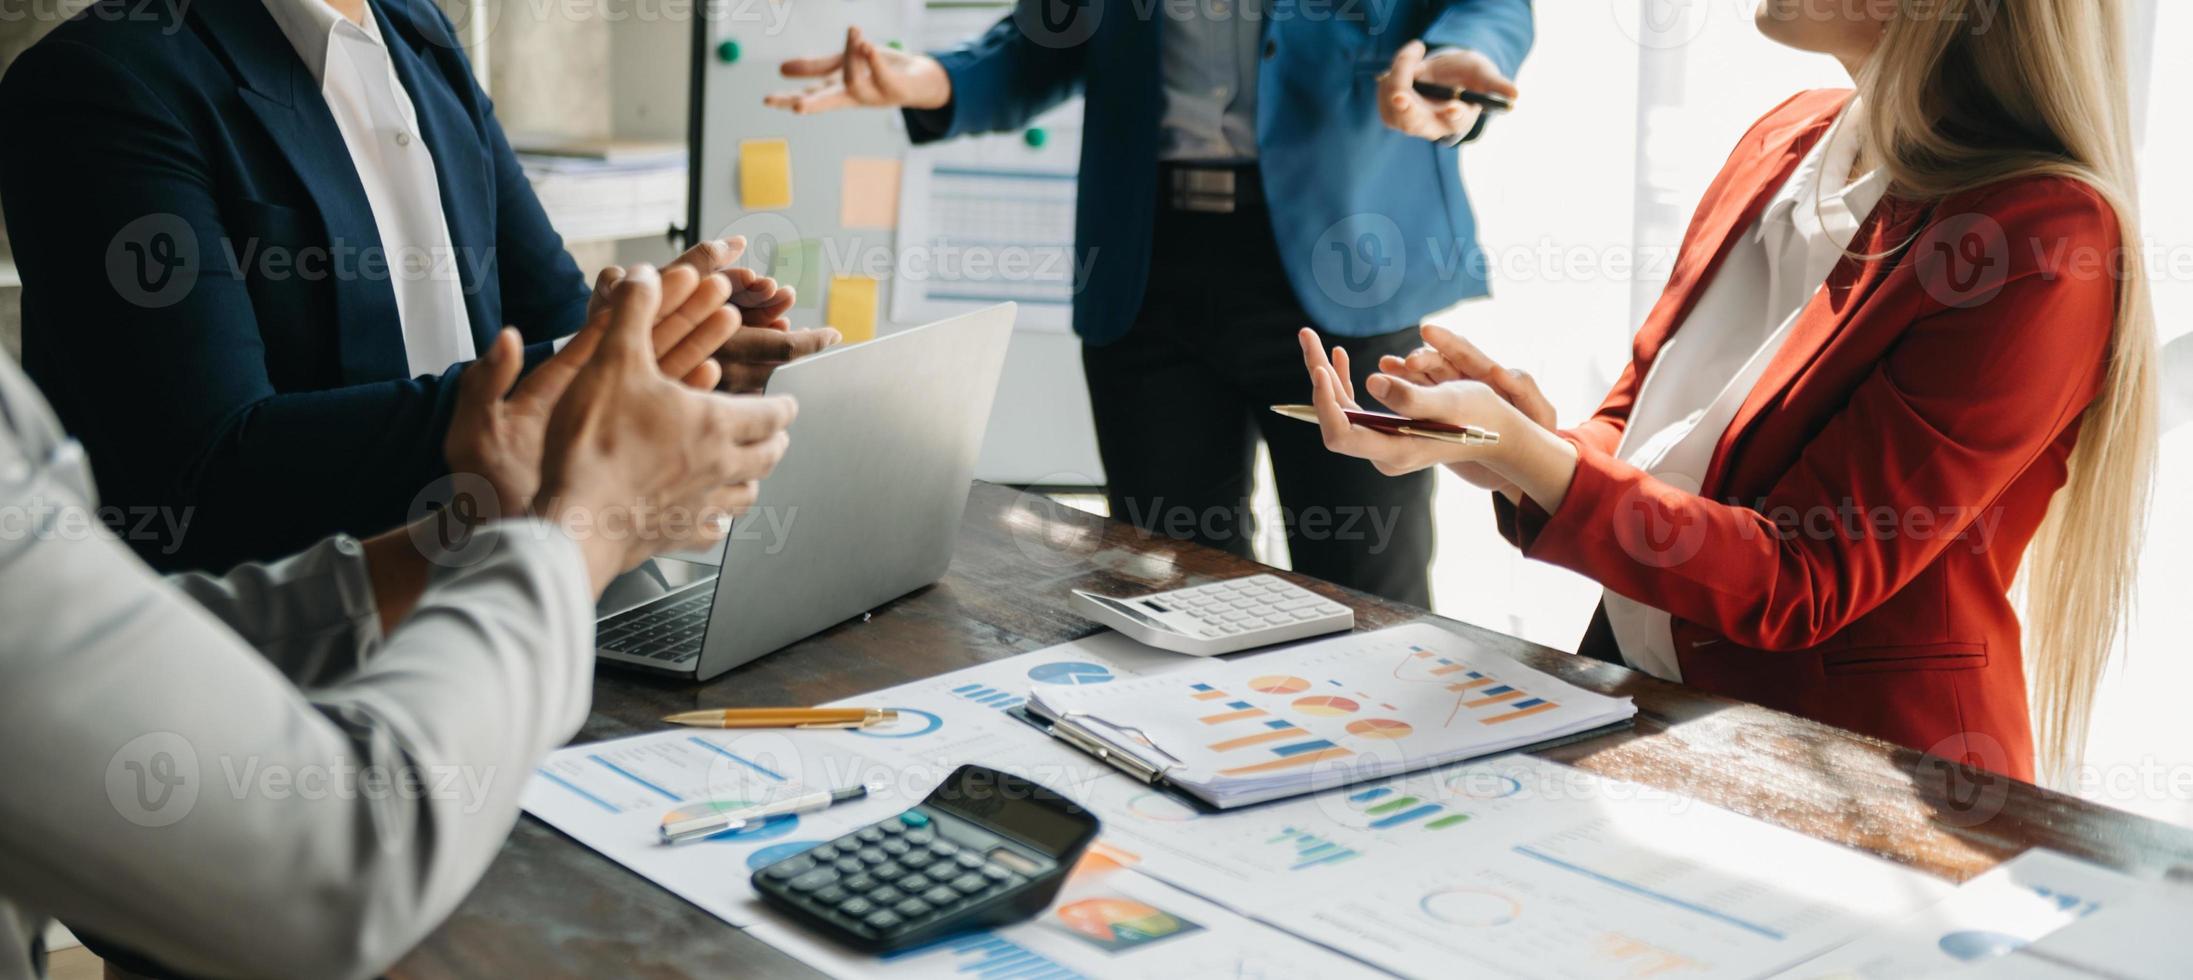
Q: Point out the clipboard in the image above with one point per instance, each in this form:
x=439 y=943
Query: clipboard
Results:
x=1155 y=778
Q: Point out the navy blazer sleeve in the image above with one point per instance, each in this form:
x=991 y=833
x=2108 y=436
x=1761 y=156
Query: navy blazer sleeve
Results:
x=1004 y=78
x=171 y=393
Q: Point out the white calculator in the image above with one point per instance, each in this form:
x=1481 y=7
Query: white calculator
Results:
x=1222 y=617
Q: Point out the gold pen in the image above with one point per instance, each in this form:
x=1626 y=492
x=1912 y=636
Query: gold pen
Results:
x=783 y=717
x=1460 y=435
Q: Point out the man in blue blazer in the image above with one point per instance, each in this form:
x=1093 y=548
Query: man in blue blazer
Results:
x=1248 y=167
x=260 y=240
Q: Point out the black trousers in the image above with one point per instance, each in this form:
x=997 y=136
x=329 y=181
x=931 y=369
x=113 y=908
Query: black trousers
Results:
x=1181 y=401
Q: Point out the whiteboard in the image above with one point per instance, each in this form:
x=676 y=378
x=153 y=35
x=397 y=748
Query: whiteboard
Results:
x=1040 y=431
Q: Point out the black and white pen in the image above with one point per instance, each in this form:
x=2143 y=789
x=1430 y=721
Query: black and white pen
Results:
x=709 y=819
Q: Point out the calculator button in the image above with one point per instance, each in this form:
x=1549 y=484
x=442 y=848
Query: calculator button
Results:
x=995 y=872
x=882 y=919
x=870 y=835
x=920 y=837
x=940 y=896
x=887 y=872
x=846 y=843
x=886 y=895
x=832 y=894
x=896 y=847
x=944 y=848
x=861 y=883
x=969 y=860
x=911 y=908
x=812 y=880
x=915 y=884
x=856 y=906
x=892 y=829
x=824 y=853
x=873 y=855
x=918 y=859
x=791 y=867
x=970 y=883
x=914 y=819
x=848 y=865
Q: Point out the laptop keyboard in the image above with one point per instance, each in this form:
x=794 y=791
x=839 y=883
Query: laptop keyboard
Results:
x=669 y=632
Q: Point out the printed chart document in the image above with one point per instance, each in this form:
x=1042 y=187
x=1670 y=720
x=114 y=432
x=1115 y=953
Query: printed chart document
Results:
x=1509 y=866
x=1329 y=713
x=2009 y=907
x=988 y=219
x=2143 y=937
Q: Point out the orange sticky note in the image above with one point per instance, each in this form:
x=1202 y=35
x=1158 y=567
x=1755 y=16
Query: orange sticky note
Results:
x=869 y=194
x=765 y=174
x=852 y=307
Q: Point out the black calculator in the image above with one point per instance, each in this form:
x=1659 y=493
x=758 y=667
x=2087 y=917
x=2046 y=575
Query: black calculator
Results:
x=984 y=849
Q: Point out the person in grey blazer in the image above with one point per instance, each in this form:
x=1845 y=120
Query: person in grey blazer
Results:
x=299 y=768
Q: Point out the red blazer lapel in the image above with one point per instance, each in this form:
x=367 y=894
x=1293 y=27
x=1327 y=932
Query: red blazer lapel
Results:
x=1886 y=233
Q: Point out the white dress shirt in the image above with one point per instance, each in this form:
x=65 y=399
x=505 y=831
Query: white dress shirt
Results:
x=381 y=129
x=1709 y=366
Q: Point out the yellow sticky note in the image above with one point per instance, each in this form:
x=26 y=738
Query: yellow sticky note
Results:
x=852 y=308
x=765 y=174
x=869 y=193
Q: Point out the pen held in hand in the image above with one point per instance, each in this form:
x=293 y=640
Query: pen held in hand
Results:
x=1460 y=435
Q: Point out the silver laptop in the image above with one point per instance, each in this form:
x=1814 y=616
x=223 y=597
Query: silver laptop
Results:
x=864 y=508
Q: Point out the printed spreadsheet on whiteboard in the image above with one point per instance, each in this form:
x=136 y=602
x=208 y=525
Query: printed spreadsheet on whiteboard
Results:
x=988 y=219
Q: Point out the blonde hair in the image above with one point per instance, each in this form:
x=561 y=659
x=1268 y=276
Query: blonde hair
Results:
x=1954 y=103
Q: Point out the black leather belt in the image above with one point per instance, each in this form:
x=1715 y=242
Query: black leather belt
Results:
x=1221 y=188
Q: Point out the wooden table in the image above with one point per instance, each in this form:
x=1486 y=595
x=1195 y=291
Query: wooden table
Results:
x=549 y=906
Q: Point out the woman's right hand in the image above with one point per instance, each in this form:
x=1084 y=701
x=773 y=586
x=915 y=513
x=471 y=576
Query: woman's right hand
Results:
x=634 y=463
x=1446 y=356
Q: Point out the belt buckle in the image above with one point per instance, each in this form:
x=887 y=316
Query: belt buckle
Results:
x=1203 y=191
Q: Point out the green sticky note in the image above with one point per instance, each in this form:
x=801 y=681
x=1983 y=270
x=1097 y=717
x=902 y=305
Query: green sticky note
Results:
x=799 y=265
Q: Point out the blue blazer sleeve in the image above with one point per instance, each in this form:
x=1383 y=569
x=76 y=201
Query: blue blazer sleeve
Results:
x=1498 y=29
x=173 y=397
x=1005 y=78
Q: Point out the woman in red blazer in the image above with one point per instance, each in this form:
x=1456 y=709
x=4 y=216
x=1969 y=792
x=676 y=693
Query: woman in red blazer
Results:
x=1874 y=462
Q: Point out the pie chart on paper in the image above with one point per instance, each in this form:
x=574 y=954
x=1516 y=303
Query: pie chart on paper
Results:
x=1278 y=684
x=1379 y=728
x=1069 y=672
x=1325 y=705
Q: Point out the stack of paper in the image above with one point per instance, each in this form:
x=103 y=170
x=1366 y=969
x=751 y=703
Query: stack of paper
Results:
x=1327 y=714
x=608 y=190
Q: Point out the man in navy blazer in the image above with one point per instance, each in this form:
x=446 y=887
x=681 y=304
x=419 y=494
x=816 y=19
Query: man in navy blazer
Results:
x=1248 y=167
x=207 y=297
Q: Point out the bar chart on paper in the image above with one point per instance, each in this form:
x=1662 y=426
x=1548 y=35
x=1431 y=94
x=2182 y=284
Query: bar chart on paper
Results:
x=1330 y=712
